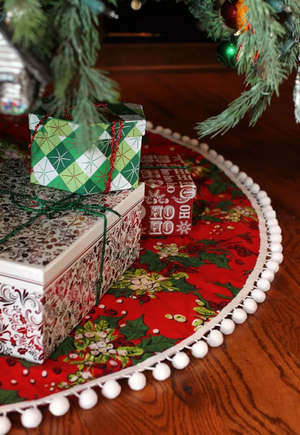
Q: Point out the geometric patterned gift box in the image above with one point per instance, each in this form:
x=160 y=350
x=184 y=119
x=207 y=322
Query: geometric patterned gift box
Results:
x=59 y=159
x=56 y=265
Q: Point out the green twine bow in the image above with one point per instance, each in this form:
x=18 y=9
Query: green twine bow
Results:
x=49 y=208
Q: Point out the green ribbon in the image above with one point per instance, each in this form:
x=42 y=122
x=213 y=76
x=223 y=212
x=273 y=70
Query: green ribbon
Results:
x=49 y=208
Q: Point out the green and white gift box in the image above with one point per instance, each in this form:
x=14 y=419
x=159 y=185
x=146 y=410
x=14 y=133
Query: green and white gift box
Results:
x=59 y=159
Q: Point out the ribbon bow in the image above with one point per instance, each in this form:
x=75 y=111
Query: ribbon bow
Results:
x=49 y=208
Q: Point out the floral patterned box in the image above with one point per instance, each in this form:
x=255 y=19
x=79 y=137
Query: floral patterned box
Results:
x=50 y=270
x=169 y=195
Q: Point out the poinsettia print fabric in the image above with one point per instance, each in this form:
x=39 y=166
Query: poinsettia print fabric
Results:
x=175 y=287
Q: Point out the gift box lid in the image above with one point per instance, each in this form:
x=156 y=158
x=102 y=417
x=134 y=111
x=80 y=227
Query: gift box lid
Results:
x=132 y=115
x=39 y=252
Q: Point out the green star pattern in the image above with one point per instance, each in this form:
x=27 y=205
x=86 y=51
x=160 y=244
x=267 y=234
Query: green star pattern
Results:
x=73 y=168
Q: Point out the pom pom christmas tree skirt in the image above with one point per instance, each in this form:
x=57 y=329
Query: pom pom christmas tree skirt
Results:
x=178 y=291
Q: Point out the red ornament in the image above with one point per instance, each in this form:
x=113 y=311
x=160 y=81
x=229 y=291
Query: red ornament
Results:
x=229 y=12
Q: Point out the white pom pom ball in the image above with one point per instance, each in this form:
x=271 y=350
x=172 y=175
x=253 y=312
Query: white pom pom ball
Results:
x=220 y=158
x=263 y=284
x=5 y=425
x=215 y=338
x=149 y=125
x=267 y=208
x=278 y=257
x=242 y=176
x=276 y=247
x=276 y=238
x=227 y=326
x=31 y=418
x=180 y=360
x=161 y=372
x=176 y=135
x=194 y=142
x=59 y=406
x=258 y=295
x=137 y=381
x=159 y=129
x=248 y=182
x=250 y=306
x=239 y=316
x=185 y=139
x=88 y=399
x=200 y=349
x=213 y=153
x=204 y=146
x=275 y=230
x=167 y=131
x=268 y=274
x=265 y=201
x=234 y=169
x=111 y=389
x=228 y=164
x=272 y=265
x=255 y=188
x=271 y=222
x=270 y=214
x=262 y=194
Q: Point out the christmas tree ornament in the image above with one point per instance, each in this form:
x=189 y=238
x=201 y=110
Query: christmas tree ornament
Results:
x=296 y=93
x=241 y=20
x=136 y=5
x=22 y=76
x=229 y=12
x=99 y=8
x=227 y=52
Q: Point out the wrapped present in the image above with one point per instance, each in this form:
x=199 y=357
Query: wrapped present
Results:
x=59 y=252
x=60 y=159
x=169 y=195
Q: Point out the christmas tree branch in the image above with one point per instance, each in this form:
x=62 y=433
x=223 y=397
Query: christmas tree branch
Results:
x=265 y=38
x=205 y=12
x=27 y=19
x=76 y=28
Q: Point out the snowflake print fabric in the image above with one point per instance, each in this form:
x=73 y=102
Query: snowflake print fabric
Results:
x=177 y=285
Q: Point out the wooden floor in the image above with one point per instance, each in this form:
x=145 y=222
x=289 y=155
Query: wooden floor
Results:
x=251 y=384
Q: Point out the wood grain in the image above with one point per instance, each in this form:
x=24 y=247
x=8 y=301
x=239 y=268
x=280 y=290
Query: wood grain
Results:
x=251 y=384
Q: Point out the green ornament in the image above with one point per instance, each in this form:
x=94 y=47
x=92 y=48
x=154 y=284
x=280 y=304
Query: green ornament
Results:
x=227 y=52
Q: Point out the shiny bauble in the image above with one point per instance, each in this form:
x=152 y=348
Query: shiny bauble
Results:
x=227 y=52
x=228 y=12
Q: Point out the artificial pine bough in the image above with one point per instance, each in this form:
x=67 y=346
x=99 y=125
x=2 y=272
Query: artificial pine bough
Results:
x=65 y=33
x=268 y=51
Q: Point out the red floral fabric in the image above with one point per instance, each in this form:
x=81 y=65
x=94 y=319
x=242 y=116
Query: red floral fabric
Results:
x=176 y=285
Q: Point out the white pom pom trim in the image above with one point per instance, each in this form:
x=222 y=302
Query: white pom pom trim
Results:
x=88 y=398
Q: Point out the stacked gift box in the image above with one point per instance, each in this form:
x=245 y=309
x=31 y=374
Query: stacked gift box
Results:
x=68 y=236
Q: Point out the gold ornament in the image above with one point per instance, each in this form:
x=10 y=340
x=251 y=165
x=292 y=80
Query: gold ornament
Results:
x=136 y=5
